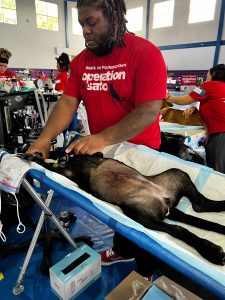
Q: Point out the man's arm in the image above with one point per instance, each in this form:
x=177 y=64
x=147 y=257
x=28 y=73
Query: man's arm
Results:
x=60 y=117
x=134 y=123
x=131 y=125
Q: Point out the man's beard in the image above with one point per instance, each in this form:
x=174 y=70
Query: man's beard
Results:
x=106 y=47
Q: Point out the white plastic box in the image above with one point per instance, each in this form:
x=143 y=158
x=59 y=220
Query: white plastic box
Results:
x=75 y=272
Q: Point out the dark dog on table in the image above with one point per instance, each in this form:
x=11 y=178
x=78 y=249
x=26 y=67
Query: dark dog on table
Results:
x=175 y=144
x=147 y=199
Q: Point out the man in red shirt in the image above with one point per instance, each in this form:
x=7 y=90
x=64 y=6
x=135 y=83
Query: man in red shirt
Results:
x=120 y=77
x=211 y=95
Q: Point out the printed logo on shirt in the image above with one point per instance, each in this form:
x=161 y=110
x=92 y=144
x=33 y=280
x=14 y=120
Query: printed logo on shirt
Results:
x=114 y=94
x=199 y=91
x=100 y=81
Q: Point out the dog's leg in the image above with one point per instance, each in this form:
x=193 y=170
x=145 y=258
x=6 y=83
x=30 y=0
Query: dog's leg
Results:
x=199 y=202
x=177 y=215
x=207 y=249
x=202 y=204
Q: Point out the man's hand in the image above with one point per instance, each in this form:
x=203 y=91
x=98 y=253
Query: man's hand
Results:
x=60 y=118
x=42 y=146
x=89 y=144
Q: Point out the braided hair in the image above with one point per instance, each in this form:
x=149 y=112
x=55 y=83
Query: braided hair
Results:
x=109 y=8
x=218 y=72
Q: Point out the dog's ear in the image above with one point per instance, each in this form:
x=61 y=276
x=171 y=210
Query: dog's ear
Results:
x=98 y=154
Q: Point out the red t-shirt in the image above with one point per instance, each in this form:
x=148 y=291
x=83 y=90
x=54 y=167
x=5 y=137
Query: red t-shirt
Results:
x=10 y=74
x=112 y=85
x=43 y=77
x=61 y=80
x=211 y=95
x=7 y=74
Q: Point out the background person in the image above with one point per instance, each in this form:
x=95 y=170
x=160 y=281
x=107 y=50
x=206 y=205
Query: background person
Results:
x=51 y=75
x=121 y=78
x=211 y=95
x=41 y=75
x=6 y=74
x=63 y=63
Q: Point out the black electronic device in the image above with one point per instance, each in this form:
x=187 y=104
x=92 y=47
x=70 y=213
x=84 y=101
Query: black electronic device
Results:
x=19 y=120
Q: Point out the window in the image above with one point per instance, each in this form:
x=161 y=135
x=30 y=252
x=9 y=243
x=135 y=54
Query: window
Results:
x=163 y=14
x=201 y=10
x=135 y=19
x=8 y=12
x=47 y=15
x=77 y=29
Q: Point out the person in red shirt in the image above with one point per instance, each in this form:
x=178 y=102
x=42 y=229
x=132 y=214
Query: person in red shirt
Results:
x=6 y=74
x=61 y=78
x=211 y=96
x=120 y=77
x=41 y=75
x=122 y=80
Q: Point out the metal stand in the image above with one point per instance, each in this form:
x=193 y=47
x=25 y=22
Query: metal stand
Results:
x=45 y=212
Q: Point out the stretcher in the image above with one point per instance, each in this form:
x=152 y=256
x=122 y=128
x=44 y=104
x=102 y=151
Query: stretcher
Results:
x=175 y=253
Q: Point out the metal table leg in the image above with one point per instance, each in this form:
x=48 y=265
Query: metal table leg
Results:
x=45 y=212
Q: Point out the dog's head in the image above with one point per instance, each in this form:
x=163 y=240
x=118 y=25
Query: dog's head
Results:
x=171 y=143
x=75 y=167
x=80 y=166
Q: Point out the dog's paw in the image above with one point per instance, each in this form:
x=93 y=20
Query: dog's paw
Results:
x=214 y=253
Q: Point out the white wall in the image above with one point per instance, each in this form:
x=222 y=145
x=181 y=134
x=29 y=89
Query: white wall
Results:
x=137 y=3
x=222 y=55
x=76 y=42
x=36 y=48
x=189 y=59
x=183 y=33
x=32 y=47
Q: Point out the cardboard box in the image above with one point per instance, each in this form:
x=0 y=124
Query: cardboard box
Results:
x=75 y=272
x=173 y=289
x=134 y=286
